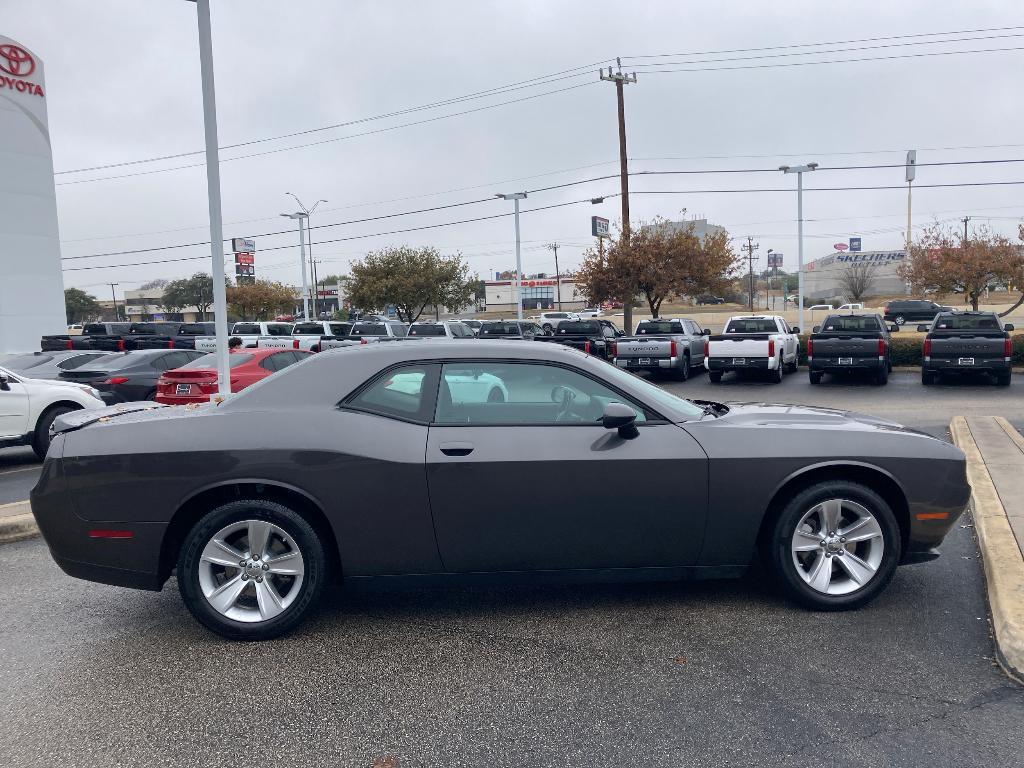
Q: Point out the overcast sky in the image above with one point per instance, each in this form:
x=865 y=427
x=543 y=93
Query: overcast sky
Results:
x=123 y=85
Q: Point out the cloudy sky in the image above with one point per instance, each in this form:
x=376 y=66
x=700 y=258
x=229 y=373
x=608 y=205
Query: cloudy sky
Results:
x=721 y=86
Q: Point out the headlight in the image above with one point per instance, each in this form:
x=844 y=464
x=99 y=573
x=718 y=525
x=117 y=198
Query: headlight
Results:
x=91 y=391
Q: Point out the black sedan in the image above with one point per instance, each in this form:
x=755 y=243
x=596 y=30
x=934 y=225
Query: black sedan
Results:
x=391 y=463
x=122 y=377
x=48 y=365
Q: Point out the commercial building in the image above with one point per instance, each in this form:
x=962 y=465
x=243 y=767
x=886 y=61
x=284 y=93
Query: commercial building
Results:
x=701 y=227
x=141 y=305
x=824 y=277
x=536 y=292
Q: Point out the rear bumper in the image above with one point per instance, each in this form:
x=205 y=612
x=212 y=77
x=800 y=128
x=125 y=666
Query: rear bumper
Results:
x=952 y=365
x=832 y=364
x=182 y=400
x=652 y=364
x=732 y=364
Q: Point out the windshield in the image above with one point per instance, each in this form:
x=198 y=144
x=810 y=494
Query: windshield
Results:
x=279 y=329
x=651 y=392
x=427 y=330
x=369 y=329
x=151 y=328
x=967 y=323
x=235 y=359
x=308 y=329
x=115 y=361
x=197 y=329
x=24 y=362
x=752 y=325
x=99 y=329
x=499 y=329
x=851 y=323
x=659 y=326
x=570 y=328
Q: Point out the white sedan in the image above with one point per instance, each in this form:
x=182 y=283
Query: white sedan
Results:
x=29 y=406
x=464 y=387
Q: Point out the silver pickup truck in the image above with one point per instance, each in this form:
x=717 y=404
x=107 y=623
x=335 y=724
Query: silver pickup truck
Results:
x=673 y=345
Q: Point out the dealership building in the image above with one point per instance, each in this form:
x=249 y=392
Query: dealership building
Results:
x=823 y=278
x=537 y=292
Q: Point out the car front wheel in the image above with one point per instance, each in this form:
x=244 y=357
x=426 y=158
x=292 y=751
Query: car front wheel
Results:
x=899 y=320
x=251 y=569
x=41 y=436
x=834 y=546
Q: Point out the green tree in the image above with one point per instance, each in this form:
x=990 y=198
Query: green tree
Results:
x=261 y=300
x=195 y=291
x=411 y=279
x=79 y=306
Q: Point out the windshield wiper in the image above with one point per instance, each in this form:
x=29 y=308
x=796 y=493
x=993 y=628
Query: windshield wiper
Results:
x=710 y=408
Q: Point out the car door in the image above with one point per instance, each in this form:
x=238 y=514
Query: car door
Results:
x=530 y=480
x=695 y=342
x=14 y=404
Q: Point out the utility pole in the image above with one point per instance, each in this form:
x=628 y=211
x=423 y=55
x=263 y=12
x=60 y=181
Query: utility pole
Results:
x=965 y=219
x=516 y=197
x=911 y=172
x=751 y=246
x=558 y=276
x=114 y=297
x=620 y=80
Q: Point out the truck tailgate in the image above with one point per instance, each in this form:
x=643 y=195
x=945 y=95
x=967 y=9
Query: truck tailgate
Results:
x=722 y=346
x=643 y=347
x=850 y=345
x=967 y=346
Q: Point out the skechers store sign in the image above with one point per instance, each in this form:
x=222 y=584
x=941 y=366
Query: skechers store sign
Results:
x=872 y=257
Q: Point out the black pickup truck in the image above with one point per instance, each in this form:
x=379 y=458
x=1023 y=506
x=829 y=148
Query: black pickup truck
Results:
x=594 y=337
x=90 y=333
x=131 y=338
x=165 y=336
x=961 y=342
x=856 y=342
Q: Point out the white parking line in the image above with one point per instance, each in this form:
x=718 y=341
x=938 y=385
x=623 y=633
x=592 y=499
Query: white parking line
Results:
x=21 y=469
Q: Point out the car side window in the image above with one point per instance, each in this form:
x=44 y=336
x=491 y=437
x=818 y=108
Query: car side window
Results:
x=71 y=363
x=269 y=363
x=521 y=394
x=405 y=393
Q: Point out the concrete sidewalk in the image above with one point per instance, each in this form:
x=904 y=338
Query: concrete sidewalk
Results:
x=995 y=470
x=17 y=522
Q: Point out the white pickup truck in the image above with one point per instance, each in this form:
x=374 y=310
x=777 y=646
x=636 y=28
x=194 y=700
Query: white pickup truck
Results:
x=307 y=335
x=753 y=343
x=249 y=332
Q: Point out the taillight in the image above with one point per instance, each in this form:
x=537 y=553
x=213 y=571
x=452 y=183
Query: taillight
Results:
x=927 y=349
x=115 y=380
x=707 y=348
x=120 y=345
x=615 y=349
x=109 y=533
x=672 y=348
x=586 y=347
x=295 y=343
x=363 y=341
x=209 y=388
x=170 y=343
x=71 y=344
x=771 y=347
x=1007 y=349
x=881 y=347
x=810 y=347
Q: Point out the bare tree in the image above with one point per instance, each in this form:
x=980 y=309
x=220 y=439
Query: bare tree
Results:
x=858 y=281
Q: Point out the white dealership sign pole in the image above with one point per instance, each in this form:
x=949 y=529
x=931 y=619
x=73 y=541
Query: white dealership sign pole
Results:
x=31 y=285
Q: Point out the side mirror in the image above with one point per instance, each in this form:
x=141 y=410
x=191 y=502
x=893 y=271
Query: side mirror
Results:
x=5 y=385
x=621 y=417
x=623 y=333
x=706 y=332
x=894 y=329
x=1008 y=327
x=794 y=329
x=816 y=329
x=923 y=328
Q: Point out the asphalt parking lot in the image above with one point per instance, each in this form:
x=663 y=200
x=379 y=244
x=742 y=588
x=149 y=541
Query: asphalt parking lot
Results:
x=711 y=674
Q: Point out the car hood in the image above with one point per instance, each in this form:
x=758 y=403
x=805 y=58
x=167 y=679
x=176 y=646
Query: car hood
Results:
x=808 y=417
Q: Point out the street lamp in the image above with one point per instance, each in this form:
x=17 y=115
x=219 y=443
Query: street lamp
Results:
x=800 y=170
x=220 y=304
x=309 y=230
x=300 y=215
x=516 y=197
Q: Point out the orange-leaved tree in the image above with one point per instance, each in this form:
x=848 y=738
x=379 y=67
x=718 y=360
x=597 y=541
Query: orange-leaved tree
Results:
x=943 y=260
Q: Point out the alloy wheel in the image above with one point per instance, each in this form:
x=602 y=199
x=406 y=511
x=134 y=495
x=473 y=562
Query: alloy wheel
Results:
x=837 y=547
x=251 y=571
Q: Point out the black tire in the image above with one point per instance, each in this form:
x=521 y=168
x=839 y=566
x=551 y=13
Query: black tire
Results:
x=682 y=374
x=881 y=378
x=548 y=328
x=775 y=377
x=151 y=395
x=495 y=396
x=815 y=377
x=715 y=377
x=300 y=531
x=927 y=378
x=779 y=558
x=41 y=435
x=899 y=319
x=1003 y=378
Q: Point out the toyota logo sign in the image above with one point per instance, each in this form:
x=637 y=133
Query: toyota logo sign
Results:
x=840 y=246
x=16 y=61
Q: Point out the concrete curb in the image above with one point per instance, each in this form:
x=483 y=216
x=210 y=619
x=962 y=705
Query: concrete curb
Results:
x=1004 y=564
x=17 y=522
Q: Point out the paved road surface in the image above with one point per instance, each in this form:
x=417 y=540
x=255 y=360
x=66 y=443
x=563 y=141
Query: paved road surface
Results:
x=19 y=470
x=710 y=674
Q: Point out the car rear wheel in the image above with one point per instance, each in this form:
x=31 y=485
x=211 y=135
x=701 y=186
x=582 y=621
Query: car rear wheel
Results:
x=835 y=546
x=715 y=377
x=814 y=377
x=899 y=319
x=881 y=377
x=251 y=569
x=776 y=376
x=927 y=378
x=682 y=374
x=495 y=396
x=1003 y=378
x=548 y=328
x=41 y=436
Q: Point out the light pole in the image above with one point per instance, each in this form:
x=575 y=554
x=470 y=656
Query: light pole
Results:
x=799 y=170
x=300 y=215
x=220 y=304
x=312 y=266
x=114 y=297
x=558 y=275
x=516 y=197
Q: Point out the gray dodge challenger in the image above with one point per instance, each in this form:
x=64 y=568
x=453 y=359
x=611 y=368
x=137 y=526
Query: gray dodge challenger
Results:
x=454 y=461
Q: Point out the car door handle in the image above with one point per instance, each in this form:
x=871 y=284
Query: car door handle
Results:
x=456 y=449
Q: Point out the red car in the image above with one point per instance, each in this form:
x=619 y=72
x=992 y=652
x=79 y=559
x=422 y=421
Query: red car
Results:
x=197 y=381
